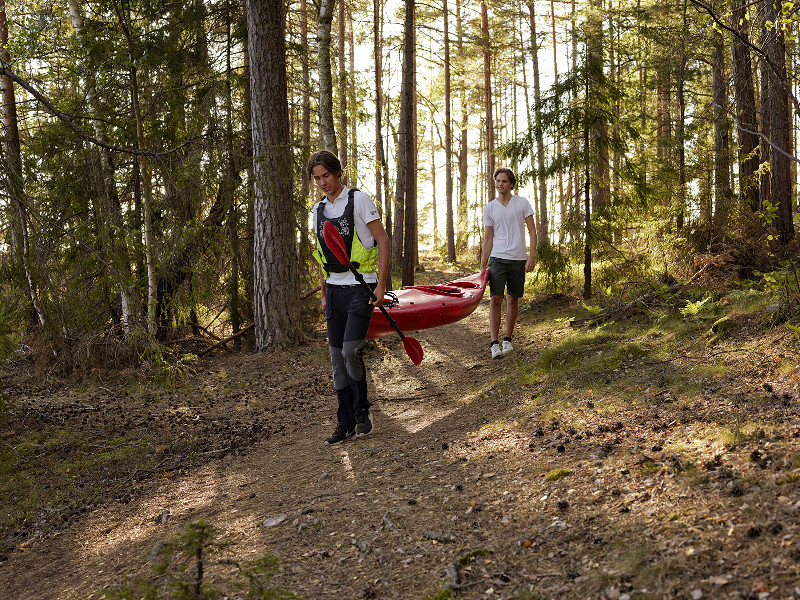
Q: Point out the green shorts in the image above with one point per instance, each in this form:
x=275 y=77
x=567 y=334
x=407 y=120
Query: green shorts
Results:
x=505 y=275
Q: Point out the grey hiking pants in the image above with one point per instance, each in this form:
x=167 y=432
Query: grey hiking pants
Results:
x=348 y=312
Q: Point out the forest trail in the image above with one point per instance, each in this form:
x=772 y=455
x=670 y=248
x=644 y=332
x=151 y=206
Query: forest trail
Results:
x=337 y=496
x=479 y=477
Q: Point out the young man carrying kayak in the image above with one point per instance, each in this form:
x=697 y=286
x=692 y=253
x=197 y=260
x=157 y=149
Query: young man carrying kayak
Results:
x=505 y=219
x=347 y=305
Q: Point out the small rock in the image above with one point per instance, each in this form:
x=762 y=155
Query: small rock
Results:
x=274 y=521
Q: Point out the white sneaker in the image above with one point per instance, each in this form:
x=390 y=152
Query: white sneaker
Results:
x=507 y=346
x=496 y=351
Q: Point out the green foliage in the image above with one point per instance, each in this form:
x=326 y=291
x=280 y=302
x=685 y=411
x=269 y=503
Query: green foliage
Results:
x=553 y=267
x=8 y=340
x=696 y=309
x=183 y=565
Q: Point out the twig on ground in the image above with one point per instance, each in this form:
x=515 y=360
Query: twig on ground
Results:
x=223 y=342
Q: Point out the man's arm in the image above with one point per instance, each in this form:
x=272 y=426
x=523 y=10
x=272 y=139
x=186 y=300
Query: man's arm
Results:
x=384 y=251
x=530 y=264
x=488 y=242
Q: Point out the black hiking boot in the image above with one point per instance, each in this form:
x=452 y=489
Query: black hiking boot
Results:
x=363 y=424
x=340 y=434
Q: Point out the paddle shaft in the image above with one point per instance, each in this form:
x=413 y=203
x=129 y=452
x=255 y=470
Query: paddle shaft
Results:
x=372 y=295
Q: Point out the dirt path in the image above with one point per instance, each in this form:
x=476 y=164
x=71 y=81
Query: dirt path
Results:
x=362 y=515
x=477 y=477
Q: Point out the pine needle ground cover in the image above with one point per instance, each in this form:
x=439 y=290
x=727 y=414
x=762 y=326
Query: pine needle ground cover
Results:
x=638 y=458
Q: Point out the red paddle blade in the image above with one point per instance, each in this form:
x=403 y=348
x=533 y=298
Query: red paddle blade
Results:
x=413 y=349
x=335 y=242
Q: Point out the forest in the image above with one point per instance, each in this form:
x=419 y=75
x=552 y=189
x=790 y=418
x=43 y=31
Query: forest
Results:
x=164 y=369
x=153 y=152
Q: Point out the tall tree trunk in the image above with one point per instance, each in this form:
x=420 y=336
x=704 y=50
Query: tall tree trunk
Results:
x=681 y=127
x=147 y=191
x=765 y=150
x=230 y=181
x=559 y=149
x=342 y=86
x=723 y=194
x=542 y=227
x=115 y=247
x=599 y=134
x=407 y=141
x=487 y=90
x=433 y=182
x=462 y=236
x=448 y=142
x=12 y=168
x=746 y=123
x=779 y=125
x=276 y=293
x=587 y=208
x=352 y=91
x=304 y=185
x=326 y=129
x=381 y=172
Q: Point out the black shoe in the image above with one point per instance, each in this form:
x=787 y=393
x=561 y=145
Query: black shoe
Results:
x=364 y=424
x=340 y=434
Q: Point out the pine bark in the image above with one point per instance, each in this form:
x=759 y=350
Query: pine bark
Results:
x=306 y=92
x=12 y=163
x=276 y=285
x=780 y=125
x=342 y=85
x=543 y=226
x=407 y=201
x=381 y=172
x=352 y=92
x=746 y=122
x=327 y=130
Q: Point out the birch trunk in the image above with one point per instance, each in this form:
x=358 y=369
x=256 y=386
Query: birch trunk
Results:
x=147 y=192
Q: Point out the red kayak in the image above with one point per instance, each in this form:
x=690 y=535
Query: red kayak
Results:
x=416 y=307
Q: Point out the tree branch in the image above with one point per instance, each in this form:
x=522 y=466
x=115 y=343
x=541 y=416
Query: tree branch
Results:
x=741 y=38
x=68 y=120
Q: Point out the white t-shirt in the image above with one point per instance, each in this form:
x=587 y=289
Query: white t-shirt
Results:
x=508 y=225
x=364 y=212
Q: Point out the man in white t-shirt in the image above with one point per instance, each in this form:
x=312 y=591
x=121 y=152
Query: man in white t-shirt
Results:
x=504 y=251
